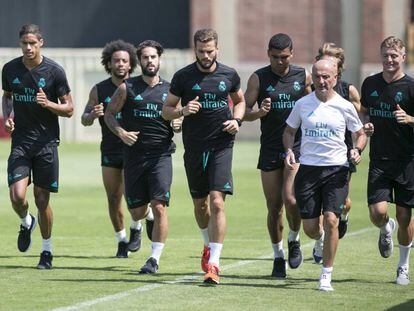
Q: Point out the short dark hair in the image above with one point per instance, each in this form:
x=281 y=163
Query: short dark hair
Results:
x=280 y=41
x=149 y=44
x=30 y=29
x=205 y=35
x=115 y=46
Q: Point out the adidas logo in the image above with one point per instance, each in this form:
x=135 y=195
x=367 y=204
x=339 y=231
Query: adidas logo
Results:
x=270 y=89
x=138 y=97
x=16 y=81
x=227 y=186
x=54 y=184
x=196 y=87
x=374 y=94
x=107 y=100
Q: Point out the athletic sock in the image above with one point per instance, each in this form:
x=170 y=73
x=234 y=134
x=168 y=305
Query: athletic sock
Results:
x=293 y=236
x=157 y=248
x=327 y=270
x=215 y=252
x=150 y=214
x=344 y=217
x=136 y=225
x=204 y=234
x=47 y=245
x=26 y=221
x=404 y=255
x=278 y=250
x=121 y=236
x=386 y=228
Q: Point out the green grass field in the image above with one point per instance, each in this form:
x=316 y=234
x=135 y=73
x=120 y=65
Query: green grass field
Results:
x=87 y=276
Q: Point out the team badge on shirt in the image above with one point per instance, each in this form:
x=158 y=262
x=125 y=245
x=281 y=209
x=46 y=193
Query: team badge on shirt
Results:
x=222 y=86
x=107 y=99
x=398 y=97
x=41 y=83
x=296 y=86
x=164 y=97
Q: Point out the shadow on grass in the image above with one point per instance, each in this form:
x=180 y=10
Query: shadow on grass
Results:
x=62 y=256
x=117 y=269
x=408 y=305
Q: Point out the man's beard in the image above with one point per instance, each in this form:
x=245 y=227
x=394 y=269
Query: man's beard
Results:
x=204 y=66
x=148 y=73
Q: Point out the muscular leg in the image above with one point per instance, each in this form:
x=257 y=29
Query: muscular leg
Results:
x=202 y=212
x=113 y=183
x=160 y=231
x=330 y=226
x=217 y=224
x=312 y=228
x=42 y=197
x=405 y=225
x=17 y=192
x=292 y=211
x=378 y=213
x=272 y=188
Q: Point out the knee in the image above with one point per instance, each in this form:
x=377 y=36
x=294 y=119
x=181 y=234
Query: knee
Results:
x=41 y=202
x=330 y=221
x=290 y=200
x=17 y=199
x=217 y=205
x=159 y=210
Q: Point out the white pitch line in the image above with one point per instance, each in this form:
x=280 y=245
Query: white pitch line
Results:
x=89 y=303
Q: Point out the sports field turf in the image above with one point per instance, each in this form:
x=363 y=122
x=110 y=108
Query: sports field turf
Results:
x=87 y=276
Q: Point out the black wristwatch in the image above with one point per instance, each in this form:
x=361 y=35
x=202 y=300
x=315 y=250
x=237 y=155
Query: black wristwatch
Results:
x=239 y=121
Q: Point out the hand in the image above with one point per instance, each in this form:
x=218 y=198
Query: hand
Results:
x=231 y=127
x=401 y=116
x=41 y=98
x=290 y=159
x=369 y=129
x=97 y=111
x=129 y=138
x=176 y=125
x=265 y=107
x=192 y=107
x=354 y=156
x=9 y=125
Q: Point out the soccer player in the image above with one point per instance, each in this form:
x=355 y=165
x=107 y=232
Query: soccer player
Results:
x=275 y=88
x=148 y=144
x=209 y=129
x=321 y=184
x=119 y=60
x=349 y=92
x=36 y=92
x=387 y=99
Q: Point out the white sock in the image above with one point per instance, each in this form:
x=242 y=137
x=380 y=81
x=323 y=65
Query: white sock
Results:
x=327 y=270
x=386 y=228
x=136 y=225
x=150 y=215
x=293 y=236
x=215 y=252
x=47 y=245
x=404 y=255
x=121 y=236
x=157 y=249
x=26 y=221
x=278 y=250
x=204 y=234
x=320 y=240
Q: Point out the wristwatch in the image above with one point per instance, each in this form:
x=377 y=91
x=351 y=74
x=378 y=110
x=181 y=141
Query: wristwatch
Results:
x=239 y=121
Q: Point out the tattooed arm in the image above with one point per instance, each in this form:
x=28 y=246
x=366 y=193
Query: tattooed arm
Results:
x=7 y=105
x=93 y=108
x=115 y=106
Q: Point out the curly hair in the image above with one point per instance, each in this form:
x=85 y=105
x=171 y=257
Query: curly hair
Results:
x=115 y=46
x=331 y=49
x=393 y=43
x=150 y=44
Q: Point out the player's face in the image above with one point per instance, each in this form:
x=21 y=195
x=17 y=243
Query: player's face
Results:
x=149 y=61
x=280 y=59
x=324 y=78
x=392 y=59
x=30 y=45
x=206 y=53
x=120 y=64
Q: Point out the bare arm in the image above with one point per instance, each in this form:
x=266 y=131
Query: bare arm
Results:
x=251 y=95
x=93 y=108
x=354 y=98
x=288 y=141
x=64 y=109
x=360 y=143
x=117 y=102
x=7 y=105
x=239 y=107
x=171 y=110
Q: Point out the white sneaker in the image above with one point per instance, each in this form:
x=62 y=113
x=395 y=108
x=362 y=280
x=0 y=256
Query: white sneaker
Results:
x=385 y=243
x=325 y=282
x=318 y=251
x=402 y=276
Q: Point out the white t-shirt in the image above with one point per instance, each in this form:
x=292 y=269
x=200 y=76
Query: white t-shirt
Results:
x=323 y=129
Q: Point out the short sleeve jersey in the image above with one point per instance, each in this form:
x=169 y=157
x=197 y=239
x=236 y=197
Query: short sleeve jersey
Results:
x=323 y=127
x=342 y=88
x=283 y=93
x=142 y=112
x=110 y=143
x=390 y=141
x=32 y=122
x=204 y=130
